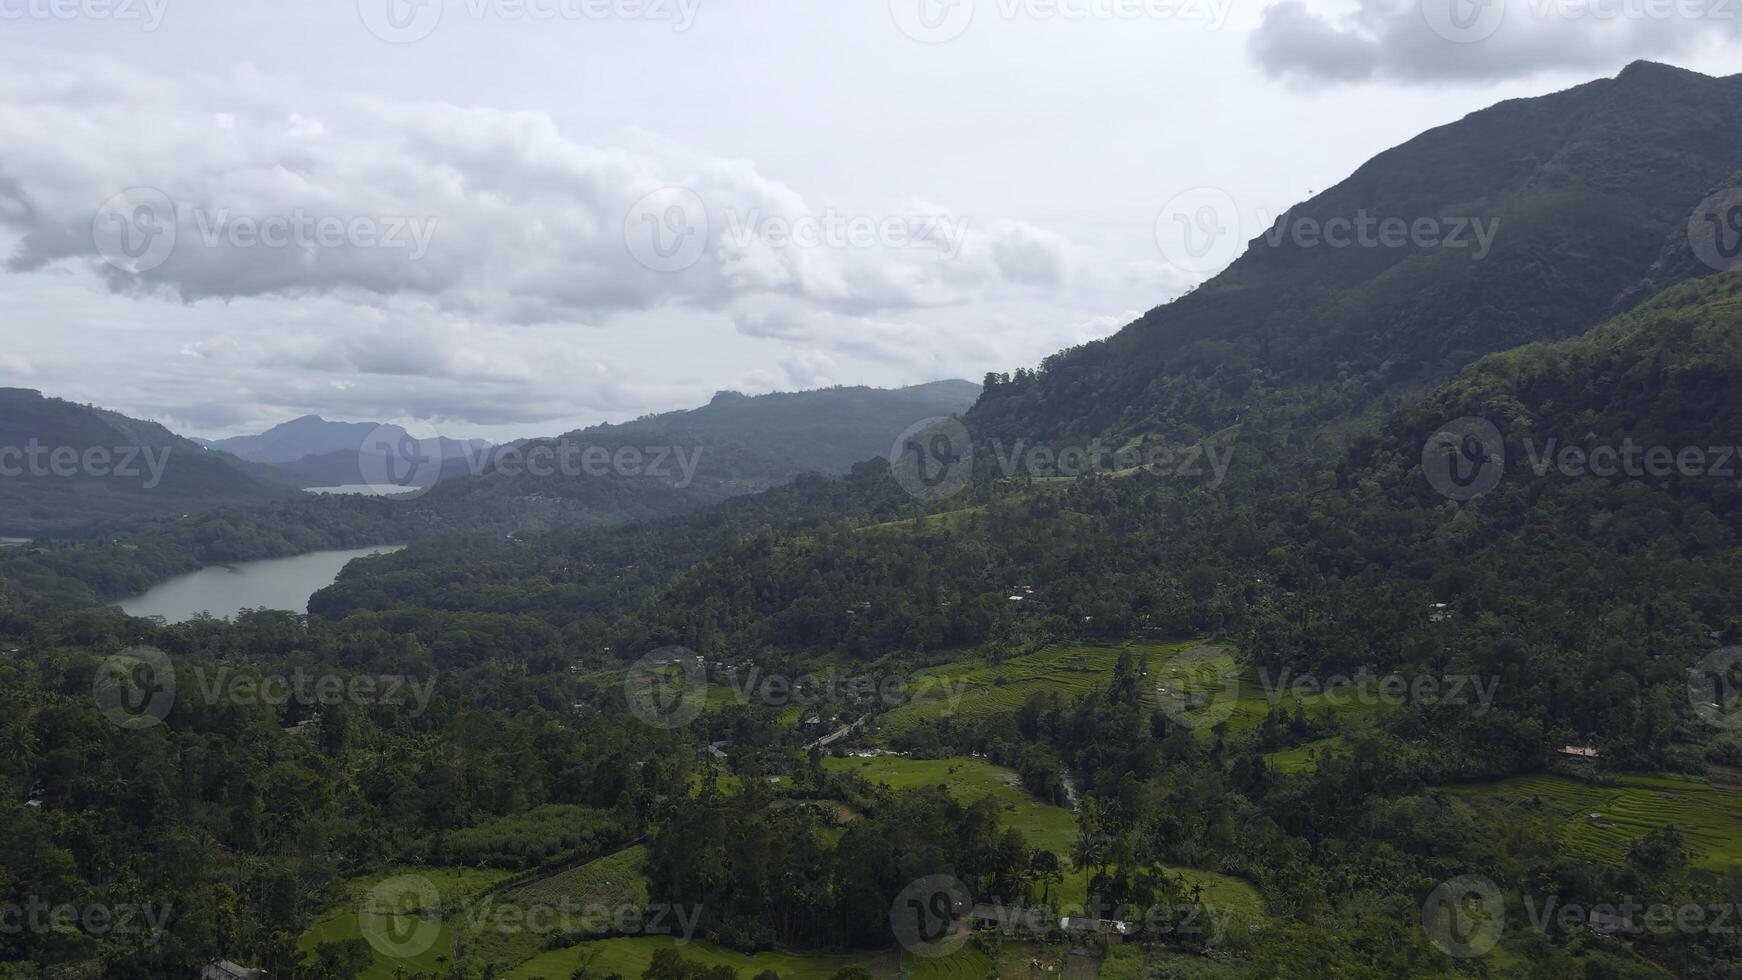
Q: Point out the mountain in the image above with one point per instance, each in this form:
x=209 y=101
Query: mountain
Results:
x=674 y=462
x=1578 y=190
x=311 y=435
x=64 y=466
x=313 y=452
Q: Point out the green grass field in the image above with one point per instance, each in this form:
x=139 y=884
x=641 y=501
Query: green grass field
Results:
x=1197 y=681
x=477 y=923
x=1069 y=671
x=1708 y=816
x=1303 y=756
x=630 y=956
x=583 y=898
x=1043 y=825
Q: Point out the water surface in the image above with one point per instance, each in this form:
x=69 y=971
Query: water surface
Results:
x=225 y=590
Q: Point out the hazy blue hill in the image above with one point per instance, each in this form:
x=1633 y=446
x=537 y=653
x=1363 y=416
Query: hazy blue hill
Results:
x=294 y=441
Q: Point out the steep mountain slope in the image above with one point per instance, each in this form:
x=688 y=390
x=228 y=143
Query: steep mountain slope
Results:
x=64 y=465
x=1580 y=190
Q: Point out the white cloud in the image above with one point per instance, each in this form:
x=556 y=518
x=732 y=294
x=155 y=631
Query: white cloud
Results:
x=1429 y=41
x=525 y=288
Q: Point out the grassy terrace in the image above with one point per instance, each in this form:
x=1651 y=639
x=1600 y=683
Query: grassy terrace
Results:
x=1219 y=687
x=1069 y=671
x=1708 y=816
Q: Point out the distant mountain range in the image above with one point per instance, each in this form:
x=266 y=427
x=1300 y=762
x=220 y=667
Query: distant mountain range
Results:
x=124 y=468
x=314 y=452
x=311 y=435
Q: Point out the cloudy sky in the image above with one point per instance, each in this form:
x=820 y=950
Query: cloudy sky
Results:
x=513 y=217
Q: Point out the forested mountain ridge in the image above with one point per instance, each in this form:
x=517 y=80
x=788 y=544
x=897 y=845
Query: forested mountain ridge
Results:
x=682 y=461
x=65 y=465
x=670 y=463
x=1580 y=189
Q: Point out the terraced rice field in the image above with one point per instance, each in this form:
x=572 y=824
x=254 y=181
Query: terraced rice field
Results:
x=1708 y=816
x=614 y=880
x=581 y=898
x=981 y=689
x=1198 y=680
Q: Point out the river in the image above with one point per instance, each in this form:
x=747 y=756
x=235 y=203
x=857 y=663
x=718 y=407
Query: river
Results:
x=224 y=590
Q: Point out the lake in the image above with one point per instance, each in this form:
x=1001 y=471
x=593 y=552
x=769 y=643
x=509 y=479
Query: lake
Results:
x=364 y=490
x=225 y=590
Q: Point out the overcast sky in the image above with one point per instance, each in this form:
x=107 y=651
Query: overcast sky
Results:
x=515 y=217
